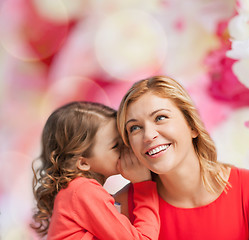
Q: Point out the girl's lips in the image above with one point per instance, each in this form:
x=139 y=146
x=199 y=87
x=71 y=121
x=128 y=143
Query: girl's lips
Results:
x=157 y=149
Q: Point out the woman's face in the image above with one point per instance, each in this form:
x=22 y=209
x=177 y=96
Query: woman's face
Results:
x=106 y=150
x=159 y=134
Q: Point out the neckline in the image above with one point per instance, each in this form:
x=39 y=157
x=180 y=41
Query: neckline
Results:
x=203 y=206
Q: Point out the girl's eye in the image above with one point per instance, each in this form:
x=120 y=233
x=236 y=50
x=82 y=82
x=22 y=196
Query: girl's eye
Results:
x=159 y=118
x=133 y=128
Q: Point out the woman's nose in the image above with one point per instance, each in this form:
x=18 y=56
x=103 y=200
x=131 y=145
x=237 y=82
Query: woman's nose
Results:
x=150 y=133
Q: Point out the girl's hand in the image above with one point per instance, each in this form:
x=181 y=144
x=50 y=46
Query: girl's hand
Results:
x=130 y=167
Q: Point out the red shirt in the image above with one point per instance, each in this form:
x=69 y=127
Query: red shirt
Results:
x=226 y=218
x=85 y=210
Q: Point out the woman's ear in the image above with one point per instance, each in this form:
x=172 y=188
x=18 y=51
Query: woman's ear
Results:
x=194 y=133
x=83 y=164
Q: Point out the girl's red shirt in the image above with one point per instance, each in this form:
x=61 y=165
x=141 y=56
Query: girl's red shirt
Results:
x=85 y=210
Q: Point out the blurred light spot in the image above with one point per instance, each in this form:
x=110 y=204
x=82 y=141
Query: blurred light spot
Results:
x=15 y=191
x=247 y=124
x=11 y=34
x=28 y=36
x=16 y=232
x=241 y=70
x=54 y=10
x=3 y=81
x=232 y=140
x=74 y=88
x=130 y=45
x=12 y=169
x=180 y=24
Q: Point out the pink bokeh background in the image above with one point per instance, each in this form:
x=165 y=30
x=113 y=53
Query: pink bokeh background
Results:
x=53 y=52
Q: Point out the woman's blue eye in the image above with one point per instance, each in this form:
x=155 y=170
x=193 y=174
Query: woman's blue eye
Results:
x=133 y=128
x=158 y=118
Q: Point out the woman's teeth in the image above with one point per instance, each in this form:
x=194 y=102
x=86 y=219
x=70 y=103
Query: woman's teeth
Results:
x=158 y=149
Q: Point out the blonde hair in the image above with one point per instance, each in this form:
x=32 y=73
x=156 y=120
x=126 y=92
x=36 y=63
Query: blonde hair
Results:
x=166 y=87
x=68 y=134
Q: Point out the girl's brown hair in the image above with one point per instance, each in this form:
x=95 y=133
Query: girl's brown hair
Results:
x=166 y=87
x=68 y=134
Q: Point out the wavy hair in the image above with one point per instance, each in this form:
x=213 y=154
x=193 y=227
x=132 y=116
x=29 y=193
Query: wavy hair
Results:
x=68 y=134
x=166 y=87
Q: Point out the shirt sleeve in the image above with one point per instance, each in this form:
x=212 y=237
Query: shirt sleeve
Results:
x=95 y=211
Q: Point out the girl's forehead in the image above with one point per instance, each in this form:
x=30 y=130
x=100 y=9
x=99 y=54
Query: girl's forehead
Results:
x=107 y=131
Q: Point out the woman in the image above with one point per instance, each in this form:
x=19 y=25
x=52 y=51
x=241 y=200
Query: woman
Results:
x=199 y=198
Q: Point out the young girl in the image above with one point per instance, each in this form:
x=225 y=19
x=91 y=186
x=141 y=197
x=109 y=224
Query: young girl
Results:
x=80 y=150
x=200 y=198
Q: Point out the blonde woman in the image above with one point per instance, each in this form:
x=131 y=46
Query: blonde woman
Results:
x=199 y=197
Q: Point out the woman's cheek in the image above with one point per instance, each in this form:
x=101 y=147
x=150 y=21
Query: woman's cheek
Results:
x=134 y=142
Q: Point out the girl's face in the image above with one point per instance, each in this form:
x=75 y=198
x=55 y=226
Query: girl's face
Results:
x=105 y=152
x=159 y=134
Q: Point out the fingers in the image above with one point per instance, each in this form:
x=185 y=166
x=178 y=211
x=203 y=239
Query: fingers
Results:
x=131 y=168
x=128 y=158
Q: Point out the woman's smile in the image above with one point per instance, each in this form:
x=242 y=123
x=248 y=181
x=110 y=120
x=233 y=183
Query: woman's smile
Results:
x=154 y=151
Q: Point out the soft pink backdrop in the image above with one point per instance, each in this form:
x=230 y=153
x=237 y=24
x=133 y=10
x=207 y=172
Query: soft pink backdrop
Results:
x=52 y=52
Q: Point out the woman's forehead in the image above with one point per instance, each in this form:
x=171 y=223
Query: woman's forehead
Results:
x=148 y=103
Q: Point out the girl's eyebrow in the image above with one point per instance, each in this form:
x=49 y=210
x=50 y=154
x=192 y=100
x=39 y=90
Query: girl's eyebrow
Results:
x=151 y=114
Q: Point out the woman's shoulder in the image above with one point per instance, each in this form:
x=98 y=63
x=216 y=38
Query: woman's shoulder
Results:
x=240 y=176
x=242 y=173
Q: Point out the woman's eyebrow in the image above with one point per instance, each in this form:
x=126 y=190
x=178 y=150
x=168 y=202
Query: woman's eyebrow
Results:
x=131 y=120
x=158 y=110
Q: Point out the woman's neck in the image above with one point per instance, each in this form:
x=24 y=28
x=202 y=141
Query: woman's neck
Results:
x=184 y=188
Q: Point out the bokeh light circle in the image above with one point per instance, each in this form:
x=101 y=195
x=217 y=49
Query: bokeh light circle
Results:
x=130 y=45
x=232 y=137
x=54 y=10
x=241 y=70
x=62 y=10
x=72 y=88
x=29 y=36
x=15 y=189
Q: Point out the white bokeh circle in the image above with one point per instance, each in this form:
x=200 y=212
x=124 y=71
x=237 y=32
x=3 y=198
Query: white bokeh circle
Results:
x=130 y=45
x=72 y=88
x=20 y=36
x=232 y=138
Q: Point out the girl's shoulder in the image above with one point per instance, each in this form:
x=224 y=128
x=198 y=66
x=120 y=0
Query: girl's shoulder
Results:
x=83 y=189
x=83 y=180
x=84 y=184
x=79 y=185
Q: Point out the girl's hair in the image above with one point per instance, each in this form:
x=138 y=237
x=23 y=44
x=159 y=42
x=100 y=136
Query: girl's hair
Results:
x=68 y=134
x=166 y=87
